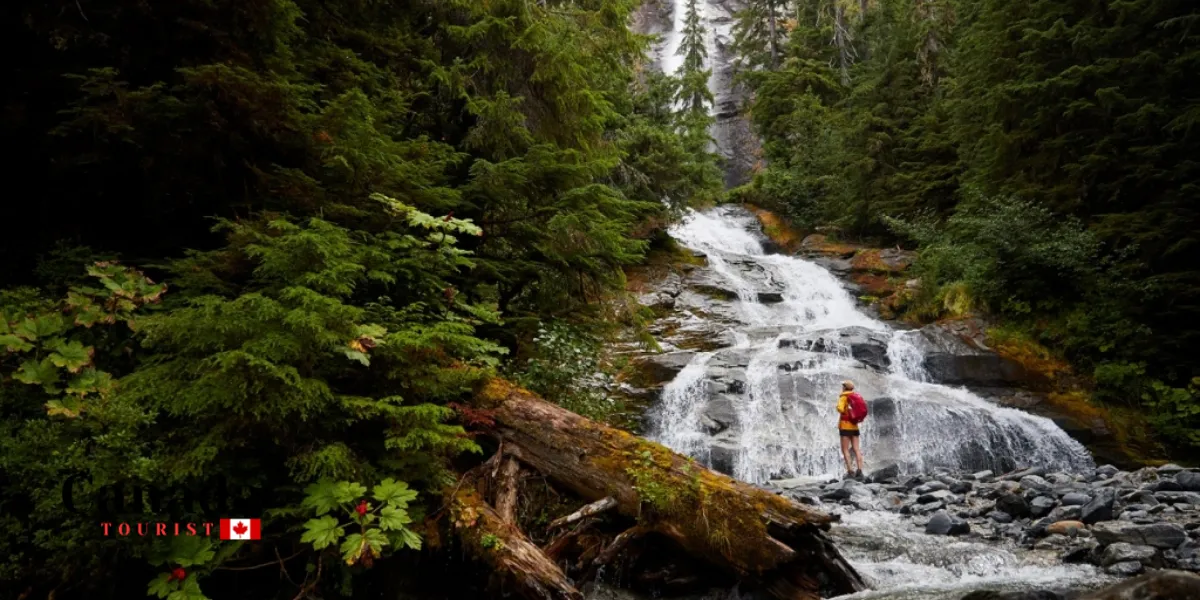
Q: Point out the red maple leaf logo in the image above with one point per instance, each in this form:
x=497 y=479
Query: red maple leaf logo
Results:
x=240 y=528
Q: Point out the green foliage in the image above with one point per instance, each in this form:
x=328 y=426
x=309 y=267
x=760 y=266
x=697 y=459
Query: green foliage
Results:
x=1013 y=255
x=399 y=190
x=382 y=525
x=565 y=368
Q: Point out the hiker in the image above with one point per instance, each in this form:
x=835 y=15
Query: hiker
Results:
x=853 y=409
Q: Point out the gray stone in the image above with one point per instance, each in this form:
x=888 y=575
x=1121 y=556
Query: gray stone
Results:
x=1107 y=470
x=1100 y=508
x=1158 y=535
x=1169 y=469
x=1189 y=480
x=924 y=509
x=1033 y=482
x=961 y=487
x=1122 y=552
x=1020 y=474
x=937 y=496
x=1165 y=485
x=932 y=486
x=943 y=524
x=886 y=474
x=1041 y=506
x=657 y=369
x=1075 y=499
x=721 y=411
x=1066 y=513
x=1013 y=504
x=1128 y=568
x=1000 y=517
x=1178 y=497
x=950 y=359
x=982 y=475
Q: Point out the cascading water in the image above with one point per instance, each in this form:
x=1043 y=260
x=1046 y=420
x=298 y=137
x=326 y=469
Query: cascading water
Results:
x=792 y=369
x=780 y=380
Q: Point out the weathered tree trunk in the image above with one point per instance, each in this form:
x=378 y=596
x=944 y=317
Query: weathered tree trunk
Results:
x=752 y=533
x=519 y=563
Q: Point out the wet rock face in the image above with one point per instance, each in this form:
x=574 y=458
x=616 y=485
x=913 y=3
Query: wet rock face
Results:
x=864 y=345
x=952 y=360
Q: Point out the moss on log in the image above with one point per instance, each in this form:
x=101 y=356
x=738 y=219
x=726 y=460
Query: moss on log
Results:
x=518 y=563
x=750 y=532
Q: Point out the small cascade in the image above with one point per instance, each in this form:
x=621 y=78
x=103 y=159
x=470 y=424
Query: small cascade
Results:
x=784 y=375
x=681 y=408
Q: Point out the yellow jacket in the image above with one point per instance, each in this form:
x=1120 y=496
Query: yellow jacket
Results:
x=843 y=408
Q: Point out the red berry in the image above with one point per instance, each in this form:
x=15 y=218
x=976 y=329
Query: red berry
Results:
x=177 y=574
x=362 y=508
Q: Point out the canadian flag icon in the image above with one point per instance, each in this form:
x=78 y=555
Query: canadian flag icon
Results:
x=240 y=529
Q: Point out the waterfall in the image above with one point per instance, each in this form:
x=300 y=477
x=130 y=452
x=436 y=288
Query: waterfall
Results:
x=784 y=376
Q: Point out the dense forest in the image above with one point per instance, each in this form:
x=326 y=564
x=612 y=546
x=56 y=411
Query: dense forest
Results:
x=1042 y=156
x=263 y=254
x=270 y=247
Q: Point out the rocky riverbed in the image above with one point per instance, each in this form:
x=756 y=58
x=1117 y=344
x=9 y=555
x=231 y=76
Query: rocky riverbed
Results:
x=1121 y=522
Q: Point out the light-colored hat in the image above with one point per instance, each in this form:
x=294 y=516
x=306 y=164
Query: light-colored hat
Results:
x=847 y=385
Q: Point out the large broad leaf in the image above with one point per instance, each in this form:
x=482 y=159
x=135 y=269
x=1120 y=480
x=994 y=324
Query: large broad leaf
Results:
x=69 y=407
x=161 y=586
x=409 y=538
x=356 y=546
x=348 y=491
x=41 y=326
x=190 y=590
x=189 y=550
x=14 y=343
x=38 y=372
x=321 y=497
x=72 y=356
x=90 y=381
x=393 y=519
x=397 y=493
x=322 y=532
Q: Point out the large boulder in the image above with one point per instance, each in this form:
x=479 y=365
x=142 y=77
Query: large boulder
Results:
x=1188 y=480
x=1122 y=552
x=657 y=369
x=1100 y=508
x=1158 y=535
x=1156 y=585
x=942 y=523
x=1013 y=504
x=951 y=359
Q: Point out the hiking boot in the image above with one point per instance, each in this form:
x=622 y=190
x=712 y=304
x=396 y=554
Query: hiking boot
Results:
x=858 y=474
x=848 y=475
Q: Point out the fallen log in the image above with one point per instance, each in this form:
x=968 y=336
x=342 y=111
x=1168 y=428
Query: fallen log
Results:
x=750 y=532
x=499 y=543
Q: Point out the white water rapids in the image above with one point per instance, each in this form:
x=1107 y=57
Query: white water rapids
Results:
x=786 y=418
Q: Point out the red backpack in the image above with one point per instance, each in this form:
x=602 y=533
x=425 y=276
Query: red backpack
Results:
x=857 y=408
